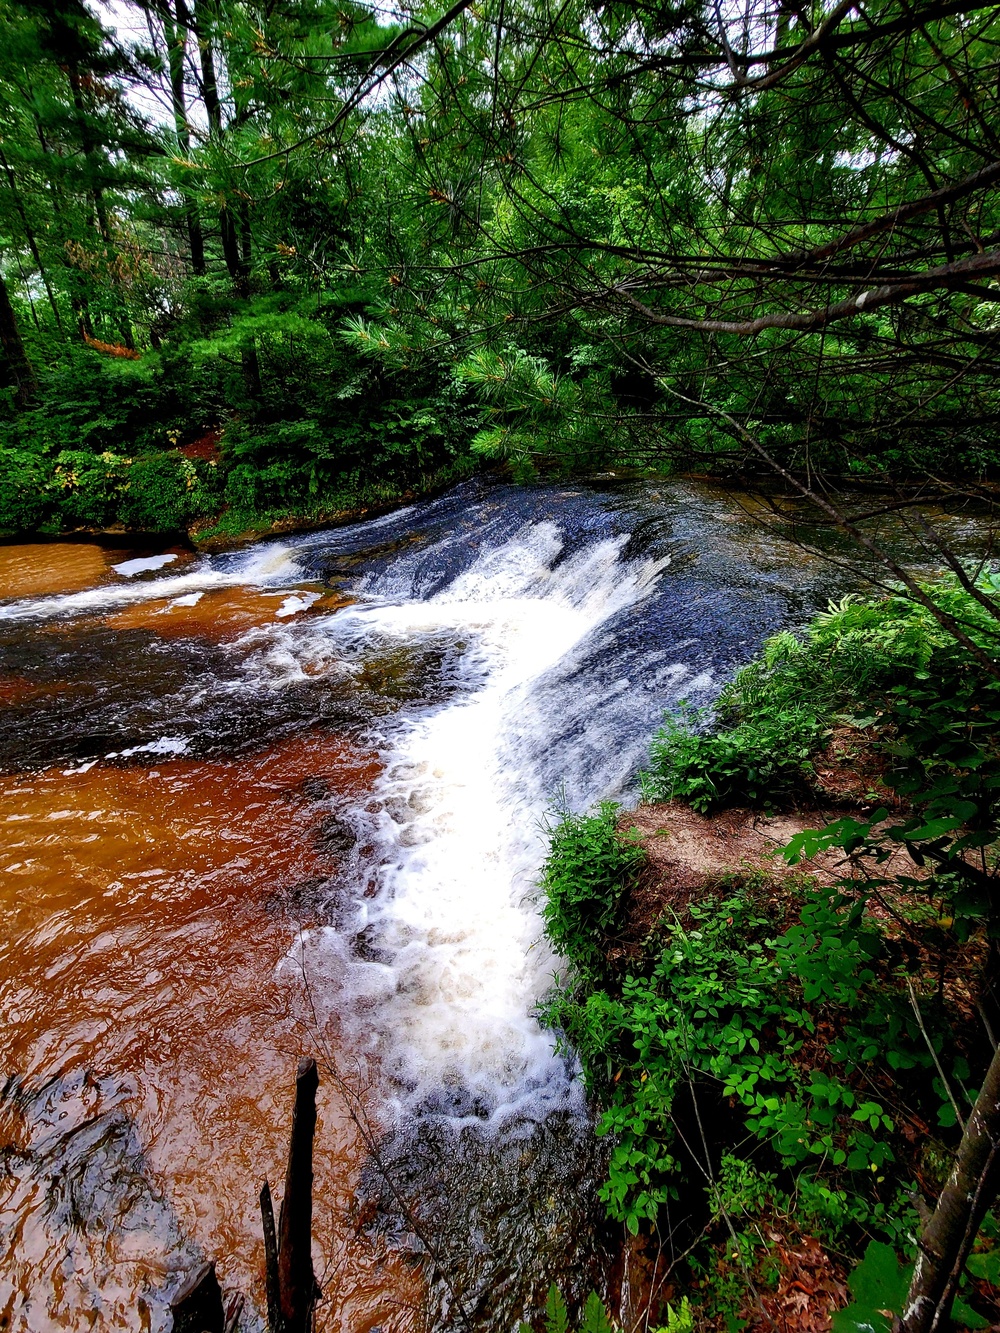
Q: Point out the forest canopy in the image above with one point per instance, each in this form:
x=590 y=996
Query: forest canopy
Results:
x=290 y=256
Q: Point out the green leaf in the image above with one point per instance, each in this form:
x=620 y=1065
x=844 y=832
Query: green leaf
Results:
x=879 y=1283
x=934 y=828
x=556 y=1314
x=986 y=1267
x=853 y=1319
x=595 y=1318
x=966 y=1317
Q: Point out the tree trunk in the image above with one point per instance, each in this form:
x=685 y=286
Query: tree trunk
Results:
x=197 y=1307
x=209 y=84
x=29 y=236
x=88 y=144
x=270 y=1259
x=951 y=1231
x=21 y=371
x=176 y=34
x=235 y=255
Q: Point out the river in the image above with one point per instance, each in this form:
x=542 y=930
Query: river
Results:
x=291 y=799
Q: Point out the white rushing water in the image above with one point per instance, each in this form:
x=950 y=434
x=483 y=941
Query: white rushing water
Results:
x=265 y=565
x=453 y=963
x=457 y=823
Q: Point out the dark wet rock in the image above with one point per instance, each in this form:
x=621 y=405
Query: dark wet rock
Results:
x=477 y=1201
x=310 y=897
x=335 y=837
x=97 y=694
x=366 y=947
x=96 y=1206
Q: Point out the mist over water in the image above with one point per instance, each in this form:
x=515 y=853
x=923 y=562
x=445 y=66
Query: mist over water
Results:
x=506 y=653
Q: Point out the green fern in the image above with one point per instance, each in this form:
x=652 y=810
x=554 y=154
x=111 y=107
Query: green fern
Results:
x=680 y=1320
x=595 y=1317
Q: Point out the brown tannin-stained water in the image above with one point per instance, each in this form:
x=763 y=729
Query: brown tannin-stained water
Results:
x=290 y=800
x=149 y=1034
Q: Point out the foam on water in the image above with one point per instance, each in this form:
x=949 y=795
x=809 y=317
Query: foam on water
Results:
x=264 y=565
x=129 y=568
x=454 y=962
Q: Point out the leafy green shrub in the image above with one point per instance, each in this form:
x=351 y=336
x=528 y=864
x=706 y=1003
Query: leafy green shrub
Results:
x=86 y=488
x=22 y=495
x=880 y=1285
x=823 y=1036
x=158 y=492
x=700 y=1013
x=597 y=1320
x=588 y=869
x=763 y=758
x=165 y=491
x=253 y=489
x=731 y=1009
x=343 y=431
x=95 y=403
x=856 y=663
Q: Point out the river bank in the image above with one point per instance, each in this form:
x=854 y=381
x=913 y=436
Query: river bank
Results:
x=784 y=998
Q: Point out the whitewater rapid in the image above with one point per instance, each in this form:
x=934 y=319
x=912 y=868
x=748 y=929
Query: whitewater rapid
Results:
x=458 y=829
x=434 y=962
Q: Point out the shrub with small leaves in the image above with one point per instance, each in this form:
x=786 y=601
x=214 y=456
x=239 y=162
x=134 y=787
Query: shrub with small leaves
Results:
x=588 y=869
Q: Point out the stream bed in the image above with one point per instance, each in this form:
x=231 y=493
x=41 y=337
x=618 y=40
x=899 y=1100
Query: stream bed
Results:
x=291 y=799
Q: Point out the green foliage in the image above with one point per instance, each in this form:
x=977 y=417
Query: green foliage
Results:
x=588 y=869
x=762 y=759
x=727 y=1008
x=786 y=1022
x=537 y=414
x=679 y=1320
x=934 y=714
x=156 y=492
x=165 y=491
x=22 y=498
x=875 y=664
x=321 y=436
x=879 y=1286
x=508 y=225
x=595 y=1317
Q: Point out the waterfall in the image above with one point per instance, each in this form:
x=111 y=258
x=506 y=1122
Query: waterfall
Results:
x=456 y=826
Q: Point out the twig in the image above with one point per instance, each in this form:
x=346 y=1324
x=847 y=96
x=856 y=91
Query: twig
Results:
x=934 y=1054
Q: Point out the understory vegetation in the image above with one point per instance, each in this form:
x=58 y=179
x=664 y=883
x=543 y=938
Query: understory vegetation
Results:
x=326 y=253
x=785 y=1066
x=137 y=443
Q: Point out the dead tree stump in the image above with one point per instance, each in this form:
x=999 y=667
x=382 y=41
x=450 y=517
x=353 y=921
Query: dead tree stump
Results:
x=291 y=1284
x=197 y=1307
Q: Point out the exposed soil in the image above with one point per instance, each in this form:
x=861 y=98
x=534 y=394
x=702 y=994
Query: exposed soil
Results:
x=851 y=772
x=688 y=854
